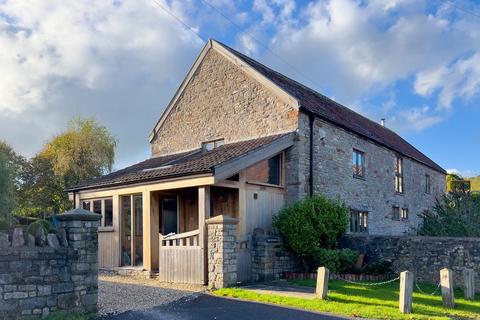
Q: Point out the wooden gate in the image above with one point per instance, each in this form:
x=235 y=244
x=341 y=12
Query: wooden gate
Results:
x=182 y=259
x=244 y=262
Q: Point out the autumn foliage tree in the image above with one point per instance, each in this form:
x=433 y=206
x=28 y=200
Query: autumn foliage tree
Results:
x=84 y=151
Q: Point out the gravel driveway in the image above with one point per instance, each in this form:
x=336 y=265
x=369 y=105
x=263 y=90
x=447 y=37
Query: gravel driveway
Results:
x=117 y=294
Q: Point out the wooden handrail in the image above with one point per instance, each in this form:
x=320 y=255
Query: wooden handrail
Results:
x=186 y=239
x=181 y=235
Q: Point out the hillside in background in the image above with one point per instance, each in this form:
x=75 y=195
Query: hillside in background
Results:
x=475 y=183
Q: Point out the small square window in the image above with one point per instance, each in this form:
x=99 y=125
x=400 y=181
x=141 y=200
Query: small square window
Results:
x=404 y=213
x=396 y=213
x=210 y=145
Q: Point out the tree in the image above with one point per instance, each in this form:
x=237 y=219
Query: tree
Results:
x=9 y=168
x=84 y=151
x=456 y=214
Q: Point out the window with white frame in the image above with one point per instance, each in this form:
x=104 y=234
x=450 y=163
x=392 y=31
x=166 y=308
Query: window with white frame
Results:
x=103 y=207
x=210 y=145
x=399 y=188
x=358 y=221
x=404 y=213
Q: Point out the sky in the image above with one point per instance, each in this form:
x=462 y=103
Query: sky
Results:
x=414 y=62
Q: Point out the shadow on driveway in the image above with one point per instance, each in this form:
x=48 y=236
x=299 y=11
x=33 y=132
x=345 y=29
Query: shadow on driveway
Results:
x=210 y=307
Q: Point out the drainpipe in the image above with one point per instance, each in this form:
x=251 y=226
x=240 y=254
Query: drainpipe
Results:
x=311 y=119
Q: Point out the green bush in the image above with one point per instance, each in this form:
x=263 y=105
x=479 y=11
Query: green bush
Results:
x=380 y=267
x=312 y=224
x=456 y=214
x=337 y=260
x=39 y=228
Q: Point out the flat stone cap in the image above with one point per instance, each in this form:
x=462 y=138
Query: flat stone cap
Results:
x=79 y=215
x=222 y=219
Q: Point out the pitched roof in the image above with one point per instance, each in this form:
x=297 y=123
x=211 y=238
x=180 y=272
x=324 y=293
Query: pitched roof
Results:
x=338 y=114
x=177 y=165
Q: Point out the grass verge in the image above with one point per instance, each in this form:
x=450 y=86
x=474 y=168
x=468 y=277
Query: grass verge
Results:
x=375 y=302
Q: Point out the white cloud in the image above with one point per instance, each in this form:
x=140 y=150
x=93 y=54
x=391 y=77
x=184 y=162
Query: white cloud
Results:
x=461 y=79
x=415 y=119
x=120 y=61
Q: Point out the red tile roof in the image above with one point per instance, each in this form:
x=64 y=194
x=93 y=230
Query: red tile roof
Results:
x=338 y=114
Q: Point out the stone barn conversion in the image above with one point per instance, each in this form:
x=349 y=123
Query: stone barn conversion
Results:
x=235 y=144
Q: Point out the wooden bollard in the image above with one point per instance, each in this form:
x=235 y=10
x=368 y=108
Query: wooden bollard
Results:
x=469 y=284
x=446 y=281
x=406 y=292
x=322 y=283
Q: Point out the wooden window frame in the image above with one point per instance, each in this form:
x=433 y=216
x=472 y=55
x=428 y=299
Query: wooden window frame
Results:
x=428 y=184
x=399 y=176
x=102 y=226
x=358 y=167
x=282 y=173
x=359 y=221
x=396 y=213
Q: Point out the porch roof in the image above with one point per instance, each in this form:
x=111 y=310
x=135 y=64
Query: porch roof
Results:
x=182 y=164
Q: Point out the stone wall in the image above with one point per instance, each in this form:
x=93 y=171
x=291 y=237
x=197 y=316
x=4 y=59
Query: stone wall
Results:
x=333 y=177
x=424 y=256
x=269 y=257
x=222 y=251
x=38 y=280
x=222 y=101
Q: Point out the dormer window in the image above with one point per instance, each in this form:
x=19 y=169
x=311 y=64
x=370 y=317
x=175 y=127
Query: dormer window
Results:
x=210 y=145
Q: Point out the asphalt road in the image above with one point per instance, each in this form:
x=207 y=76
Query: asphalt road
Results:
x=207 y=307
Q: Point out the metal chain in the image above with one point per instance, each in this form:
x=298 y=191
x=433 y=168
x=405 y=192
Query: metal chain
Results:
x=371 y=283
x=428 y=294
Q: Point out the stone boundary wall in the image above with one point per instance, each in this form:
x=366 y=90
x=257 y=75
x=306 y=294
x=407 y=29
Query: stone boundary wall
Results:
x=270 y=260
x=334 y=276
x=36 y=281
x=424 y=256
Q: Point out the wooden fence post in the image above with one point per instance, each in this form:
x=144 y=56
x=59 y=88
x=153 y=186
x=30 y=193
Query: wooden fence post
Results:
x=469 y=284
x=406 y=292
x=322 y=283
x=446 y=281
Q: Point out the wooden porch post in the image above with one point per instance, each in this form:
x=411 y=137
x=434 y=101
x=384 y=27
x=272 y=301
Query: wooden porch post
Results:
x=117 y=216
x=203 y=214
x=150 y=235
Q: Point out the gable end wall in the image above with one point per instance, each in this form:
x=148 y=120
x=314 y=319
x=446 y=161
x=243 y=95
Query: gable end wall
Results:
x=222 y=101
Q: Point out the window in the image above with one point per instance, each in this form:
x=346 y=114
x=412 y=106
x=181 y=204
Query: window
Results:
x=404 y=214
x=86 y=205
x=267 y=171
x=396 y=213
x=358 y=221
x=399 y=175
x=101 y=206
x=210 y=145
x=358 y=162
x=108 y=213
x=428 y=184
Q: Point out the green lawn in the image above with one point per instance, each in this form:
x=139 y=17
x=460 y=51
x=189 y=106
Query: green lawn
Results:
x=377 y=302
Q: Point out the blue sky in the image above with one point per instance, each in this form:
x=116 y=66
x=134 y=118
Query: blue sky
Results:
x=415 y=63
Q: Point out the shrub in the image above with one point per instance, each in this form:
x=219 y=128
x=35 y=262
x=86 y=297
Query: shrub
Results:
x=456 y=214
x=312 y=224
x=337 y=260
x=39 y=229
x=380 y=267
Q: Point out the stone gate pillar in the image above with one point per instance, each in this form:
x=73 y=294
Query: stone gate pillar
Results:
x=222 y=251
x=81 y=228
